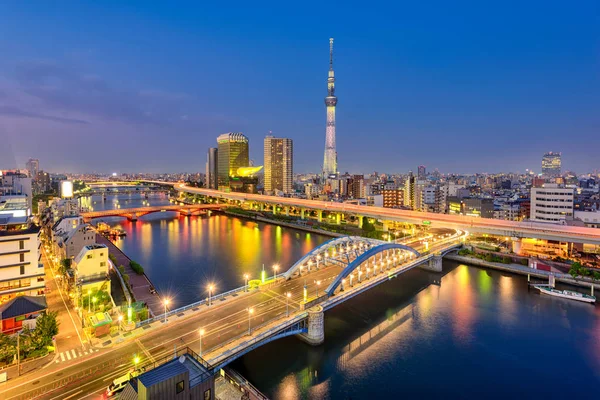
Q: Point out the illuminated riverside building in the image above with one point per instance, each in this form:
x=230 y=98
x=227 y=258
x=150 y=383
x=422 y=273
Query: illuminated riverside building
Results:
x=551 y=164
x=232 y=154
x=279 y=174
x=330 y=158
x=551 y=203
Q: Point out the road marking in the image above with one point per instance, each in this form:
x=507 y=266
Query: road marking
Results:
x=73 y=395
x=144 y=350
x=74 y=354
x=68 y=355
x=62 y=357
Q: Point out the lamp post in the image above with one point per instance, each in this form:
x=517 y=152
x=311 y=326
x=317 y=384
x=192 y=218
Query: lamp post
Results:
x=201 y=332
x=136 y=361
x=120 y=321
x=94 y=300
x=166 y=303
x=318 y=284
x=305 y=291
x=89 y=300
x=318 y=258
x=275 y=268
x=287 y=305
x=250 y=312
x=211 y=287
x=246 y=276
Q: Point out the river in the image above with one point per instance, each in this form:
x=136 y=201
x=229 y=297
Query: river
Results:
x=466 y=333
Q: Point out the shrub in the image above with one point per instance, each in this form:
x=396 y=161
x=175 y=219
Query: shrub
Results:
x=524 y=261
x=136 y=267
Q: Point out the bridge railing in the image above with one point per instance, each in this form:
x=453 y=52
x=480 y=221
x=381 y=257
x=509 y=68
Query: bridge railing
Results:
x=202 y=302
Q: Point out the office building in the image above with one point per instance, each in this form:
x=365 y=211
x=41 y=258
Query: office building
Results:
x=551 y=164
x=232 y=155
x=33 y=166
x=393 y=198
x=356 y=187
x=551 y=203
x=421 y=173
x=21 y=273
x=279 y=173
x=409 y=191
x=212 y=168
x=471 y=207
x=14 y=183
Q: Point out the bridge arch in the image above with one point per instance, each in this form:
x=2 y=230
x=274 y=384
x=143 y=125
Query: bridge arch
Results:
x=364 y=257
x=324 y=247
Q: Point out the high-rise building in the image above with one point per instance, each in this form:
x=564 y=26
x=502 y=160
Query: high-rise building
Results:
x=551 y=164
x=421 y=173
x=330 y=158
x=33 y=166
x=409 y=191
x=232 y=155
x=356 y=187
x=551 y=203
x=212 y=162
x=279 y=173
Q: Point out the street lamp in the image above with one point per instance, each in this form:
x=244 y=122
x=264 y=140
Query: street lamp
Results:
x=94 y=300
x=275 y=268
x=246 y=276
x=343 y=283
x=120 y=321
x=318 y=258
x=211 y=287
x=201 y=332
x=136 y=361
x=166 y=303
x=89 y=300
x=287 y=305
x=250 y=312
x=318 y=284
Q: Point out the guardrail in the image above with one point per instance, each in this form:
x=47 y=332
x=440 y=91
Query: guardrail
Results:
x=192 y=305
x=125 y=288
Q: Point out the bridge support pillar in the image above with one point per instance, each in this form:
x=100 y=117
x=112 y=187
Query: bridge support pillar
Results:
x=434 y=264
x=302 y=213
x=134 y=217
x=360 y=221
x=516 y=246
x=320 y=215
x=316 y=332
x=274 y=209
x=338 y=218
x=287 y=211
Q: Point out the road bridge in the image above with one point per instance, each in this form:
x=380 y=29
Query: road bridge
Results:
x=133 y=214
x=512 y=229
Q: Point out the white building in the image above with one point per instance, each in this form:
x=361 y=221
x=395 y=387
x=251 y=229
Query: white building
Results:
x=591 y=219
x=70 y=235
x=21 y=272
x=551 y=203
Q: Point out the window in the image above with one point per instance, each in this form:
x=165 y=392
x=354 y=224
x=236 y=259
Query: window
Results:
x=101 y=254
x=89 y=256
x=103 y=264
x=179 y=387
x=207 y=395
x=22 y=257
x=21 y=244
x=22 y=270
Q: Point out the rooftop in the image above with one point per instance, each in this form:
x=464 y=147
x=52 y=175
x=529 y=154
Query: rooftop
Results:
x=22 y=305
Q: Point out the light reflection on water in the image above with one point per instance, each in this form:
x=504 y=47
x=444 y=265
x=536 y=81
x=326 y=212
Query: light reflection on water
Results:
x=480 y=334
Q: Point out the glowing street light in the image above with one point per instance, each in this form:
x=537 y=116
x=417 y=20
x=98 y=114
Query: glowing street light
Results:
x=250 y=312
x=318 y=284
x=94 y=300
x=287 y=305
x=201 y=332
x=246 y=276
x=343 y=283
x=211 y=287
x=136 y=360
x=166 y=303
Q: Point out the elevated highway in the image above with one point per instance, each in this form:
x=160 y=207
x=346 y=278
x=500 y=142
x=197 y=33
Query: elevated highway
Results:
x=471 y=224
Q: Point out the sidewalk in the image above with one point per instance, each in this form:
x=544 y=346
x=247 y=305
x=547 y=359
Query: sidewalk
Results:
x=140 y=284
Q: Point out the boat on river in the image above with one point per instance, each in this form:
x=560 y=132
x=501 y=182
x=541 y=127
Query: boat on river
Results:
x=566 y=294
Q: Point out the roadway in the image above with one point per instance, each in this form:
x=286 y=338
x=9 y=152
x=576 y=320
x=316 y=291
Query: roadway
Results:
x=472 y=224
x=88 y=377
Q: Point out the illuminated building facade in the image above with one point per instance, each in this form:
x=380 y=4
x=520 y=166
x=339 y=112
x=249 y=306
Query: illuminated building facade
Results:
x=232 y=154
x=330 y=158
x=551 y=203
x=551 y=164
x=212 y=159
x=278 y=165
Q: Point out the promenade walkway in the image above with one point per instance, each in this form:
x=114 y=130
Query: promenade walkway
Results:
x=140 y=284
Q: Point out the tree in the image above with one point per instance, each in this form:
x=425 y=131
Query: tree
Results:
x=8 y=348
x=575 y=269
x=65 y=265
x=46 y=327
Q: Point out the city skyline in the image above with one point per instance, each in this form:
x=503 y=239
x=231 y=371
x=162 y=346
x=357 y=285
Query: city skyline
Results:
x=408 y=97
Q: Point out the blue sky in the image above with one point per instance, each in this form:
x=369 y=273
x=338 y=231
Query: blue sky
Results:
x=148 y=86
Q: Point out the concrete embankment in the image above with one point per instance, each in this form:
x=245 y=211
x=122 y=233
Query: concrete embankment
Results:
x=522 y=270
x=140 y=284
x=286 y=224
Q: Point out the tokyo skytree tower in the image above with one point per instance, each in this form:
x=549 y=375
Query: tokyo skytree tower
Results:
x=330 y=158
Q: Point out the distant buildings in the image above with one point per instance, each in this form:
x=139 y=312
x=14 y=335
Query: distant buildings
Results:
x=551 y=164
x=33 y=166
x=471 y=206
x=421 y=173
x=212 y=168
x=279 y=173
x=551 y=203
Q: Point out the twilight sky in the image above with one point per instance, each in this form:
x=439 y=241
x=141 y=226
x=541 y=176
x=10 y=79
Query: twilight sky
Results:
x=461 y=86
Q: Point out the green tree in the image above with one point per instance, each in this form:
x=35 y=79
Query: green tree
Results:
x=46 y=327
x=8 y=348
x=65 y=265
x=574 y=271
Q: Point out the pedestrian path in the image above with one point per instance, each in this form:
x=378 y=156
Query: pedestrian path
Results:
x=72 y=354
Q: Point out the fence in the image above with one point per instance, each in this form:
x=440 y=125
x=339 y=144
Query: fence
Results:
x=190 y=306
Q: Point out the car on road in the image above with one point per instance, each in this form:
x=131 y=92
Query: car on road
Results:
x=119 y=383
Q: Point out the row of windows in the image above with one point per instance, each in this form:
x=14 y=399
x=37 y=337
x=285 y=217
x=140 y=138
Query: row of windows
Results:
x=545 y=199
x=19 y=283
x=556 y=193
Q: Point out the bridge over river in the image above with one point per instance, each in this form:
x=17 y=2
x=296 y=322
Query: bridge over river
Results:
x=133 y=214
x=225 y=326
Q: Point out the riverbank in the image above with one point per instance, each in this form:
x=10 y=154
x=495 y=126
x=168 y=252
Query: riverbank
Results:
x=522 y=270
x=285 y=224
x=140 y=283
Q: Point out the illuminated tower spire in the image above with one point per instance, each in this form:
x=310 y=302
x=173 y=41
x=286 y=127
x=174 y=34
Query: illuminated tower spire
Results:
x=330 y=158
